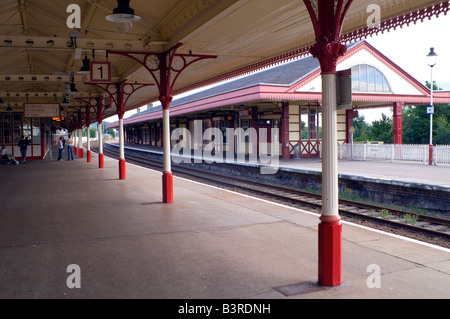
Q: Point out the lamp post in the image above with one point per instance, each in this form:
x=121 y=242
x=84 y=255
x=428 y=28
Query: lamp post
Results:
x=430 y=110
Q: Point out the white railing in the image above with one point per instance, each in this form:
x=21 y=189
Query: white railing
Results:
x=441 y=154
x=397 y=152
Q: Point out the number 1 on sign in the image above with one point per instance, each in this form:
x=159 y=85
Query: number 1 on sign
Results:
x=101 y=72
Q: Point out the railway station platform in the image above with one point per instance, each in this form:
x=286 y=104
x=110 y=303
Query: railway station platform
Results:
x=209 y=244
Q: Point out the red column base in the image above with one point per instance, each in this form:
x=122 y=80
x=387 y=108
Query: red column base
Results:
x=122 y=169
x=430 y=154
x=75 y=150
x=80 y=153
x=89 y=156
x=167 y=180
x=330 y=251
x=101 y=161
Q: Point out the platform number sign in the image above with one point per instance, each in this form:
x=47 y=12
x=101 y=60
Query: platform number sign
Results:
x=101 y=72
x=430 y=109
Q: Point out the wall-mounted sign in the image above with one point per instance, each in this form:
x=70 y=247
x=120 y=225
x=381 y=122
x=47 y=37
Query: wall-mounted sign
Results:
x=244 y=113
x=100 y=72
x=41 y=110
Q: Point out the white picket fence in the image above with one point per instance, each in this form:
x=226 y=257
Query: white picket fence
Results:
x=395 y=152
x=441 y=154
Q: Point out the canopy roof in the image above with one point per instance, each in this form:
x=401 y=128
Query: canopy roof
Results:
x=39 y=50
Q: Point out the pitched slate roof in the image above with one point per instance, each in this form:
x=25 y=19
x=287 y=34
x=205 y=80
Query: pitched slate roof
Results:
x=282 y=75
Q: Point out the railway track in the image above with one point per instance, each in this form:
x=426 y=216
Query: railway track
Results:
x=424 y=227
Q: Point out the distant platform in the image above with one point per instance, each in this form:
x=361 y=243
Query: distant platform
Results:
x=396 y=172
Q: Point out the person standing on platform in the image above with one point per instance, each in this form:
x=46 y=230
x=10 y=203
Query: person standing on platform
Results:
x=23 y=144
x=60 y=148
x=70 y=144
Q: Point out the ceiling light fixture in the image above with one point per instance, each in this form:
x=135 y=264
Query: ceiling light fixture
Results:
x=70 y=90
x=123 y=16
x=86 y=68
x=65 y=102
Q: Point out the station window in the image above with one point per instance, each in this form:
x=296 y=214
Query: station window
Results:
x=245 y=124
x=17 y=128
x=264 y=122
x=27 y=127
x=145 y=135
x=311 y=123
x=366 y=78
x=152 y=135
x=36 y=131
x=7 y=140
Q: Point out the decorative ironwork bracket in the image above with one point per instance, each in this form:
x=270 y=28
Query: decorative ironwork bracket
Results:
x=165 y=68
x=327 y=18
x=120 y=93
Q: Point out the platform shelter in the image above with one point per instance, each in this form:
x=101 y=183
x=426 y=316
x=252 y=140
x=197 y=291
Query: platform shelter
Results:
x=81 y=63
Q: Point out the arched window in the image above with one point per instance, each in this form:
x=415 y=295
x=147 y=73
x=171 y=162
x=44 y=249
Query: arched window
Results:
x=366 y=78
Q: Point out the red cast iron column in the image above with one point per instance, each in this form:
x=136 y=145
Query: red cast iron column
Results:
x=327 y=18
x=95 y=105
x=397 y=121
x=88 y=133
x=165 y=68
x=119 y=94
x=75 y=128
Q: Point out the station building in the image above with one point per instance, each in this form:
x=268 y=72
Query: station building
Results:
x=287 y=97
x=15 y=125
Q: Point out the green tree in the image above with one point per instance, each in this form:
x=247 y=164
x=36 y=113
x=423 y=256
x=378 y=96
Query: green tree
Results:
x=111 y=132
x=362 y=129
x=442 y=131
x=93 y=132
x=382 y=130
x=416 y=124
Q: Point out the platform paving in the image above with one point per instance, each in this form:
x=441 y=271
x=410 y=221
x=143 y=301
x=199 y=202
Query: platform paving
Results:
x=210 y=243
